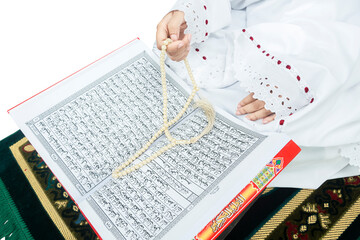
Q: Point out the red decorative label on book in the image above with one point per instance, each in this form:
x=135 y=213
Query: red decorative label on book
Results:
x=240 y=202
x=214 y=228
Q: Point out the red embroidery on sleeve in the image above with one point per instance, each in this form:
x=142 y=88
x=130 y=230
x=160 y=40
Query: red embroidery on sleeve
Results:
x=293 y=73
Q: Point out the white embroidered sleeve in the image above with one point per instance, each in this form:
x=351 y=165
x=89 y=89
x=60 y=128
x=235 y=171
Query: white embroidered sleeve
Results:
x=269 y=77
x=204 y=17
x=288 y=66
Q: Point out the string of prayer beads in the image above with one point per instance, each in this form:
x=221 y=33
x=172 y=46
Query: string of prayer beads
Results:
x=207 y=108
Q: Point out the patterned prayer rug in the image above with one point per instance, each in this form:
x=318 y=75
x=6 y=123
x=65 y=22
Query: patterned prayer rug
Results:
x=330 y=212
x=44 y=205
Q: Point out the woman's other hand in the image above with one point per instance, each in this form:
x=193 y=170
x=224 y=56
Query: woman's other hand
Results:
x=255 y=109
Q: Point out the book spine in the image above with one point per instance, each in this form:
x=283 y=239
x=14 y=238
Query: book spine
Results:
x=237 y=205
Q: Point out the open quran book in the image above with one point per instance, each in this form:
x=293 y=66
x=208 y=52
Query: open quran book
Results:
x=88 y=124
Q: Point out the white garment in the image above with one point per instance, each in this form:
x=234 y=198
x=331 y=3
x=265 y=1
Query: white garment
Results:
x=302 y=58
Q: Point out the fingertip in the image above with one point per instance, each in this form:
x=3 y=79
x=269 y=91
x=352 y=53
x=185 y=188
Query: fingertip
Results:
x=269 y=119
x=174 y=37
x=251 y=117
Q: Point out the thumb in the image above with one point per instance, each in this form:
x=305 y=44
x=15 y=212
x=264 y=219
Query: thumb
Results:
x=174 y=25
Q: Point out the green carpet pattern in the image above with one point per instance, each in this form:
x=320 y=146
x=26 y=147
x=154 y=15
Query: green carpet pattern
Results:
x=11 y=224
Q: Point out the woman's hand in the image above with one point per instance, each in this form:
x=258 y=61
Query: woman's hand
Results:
x=255 y=109
x=173 y=26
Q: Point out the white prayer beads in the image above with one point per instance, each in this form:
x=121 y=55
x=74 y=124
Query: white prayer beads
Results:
x=209 y=112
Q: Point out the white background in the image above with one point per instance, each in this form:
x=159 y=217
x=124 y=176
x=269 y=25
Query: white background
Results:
x=44 y=41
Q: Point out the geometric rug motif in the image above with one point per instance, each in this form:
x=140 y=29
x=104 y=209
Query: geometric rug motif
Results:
x=330 y=212
x=60 y=207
